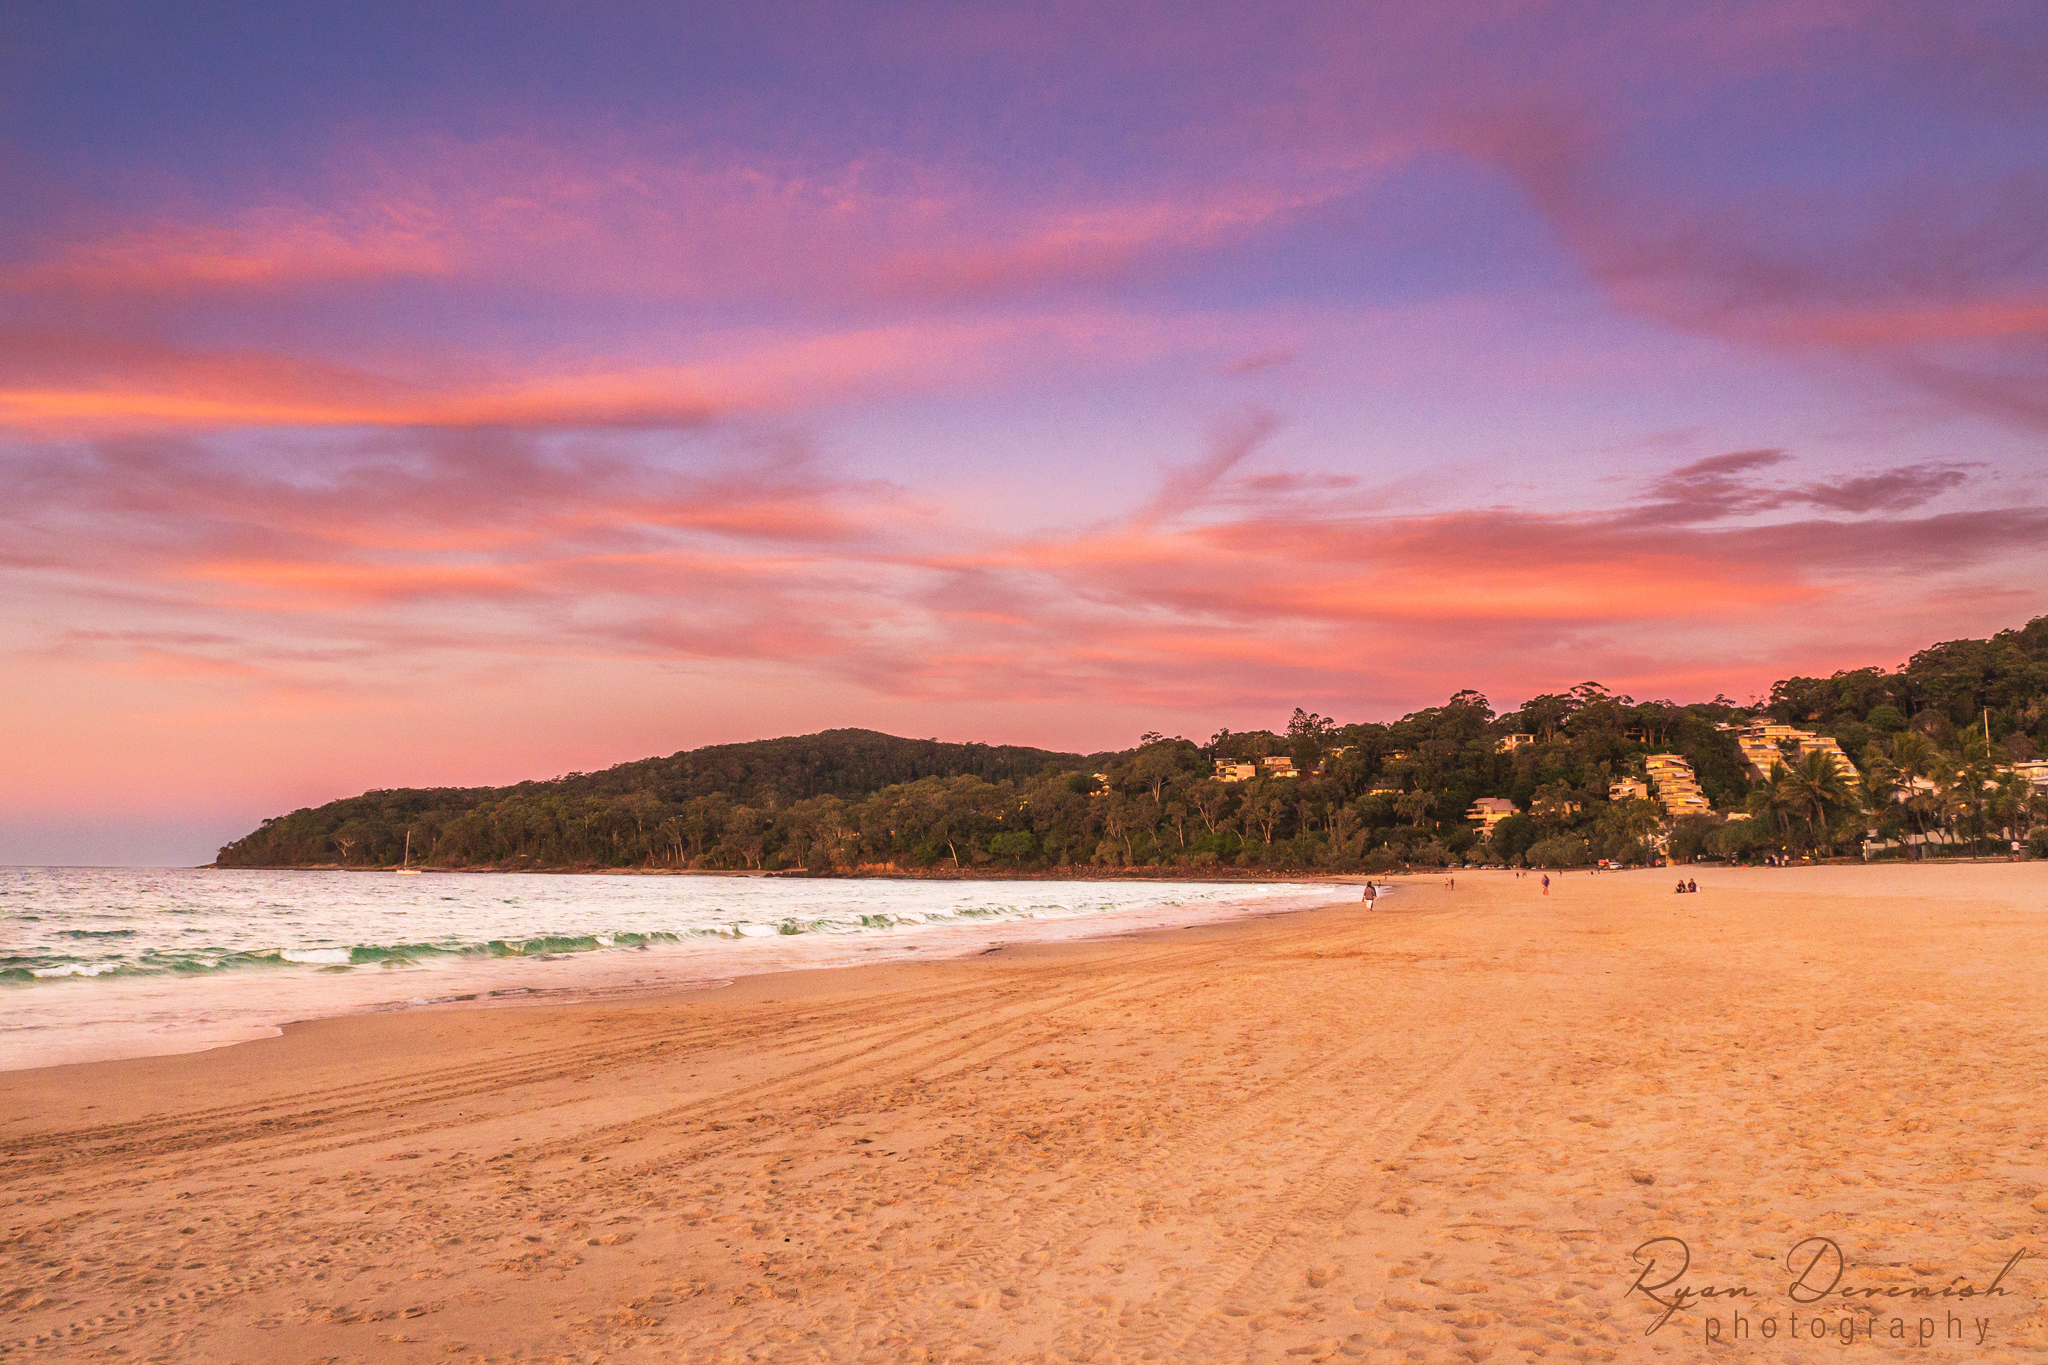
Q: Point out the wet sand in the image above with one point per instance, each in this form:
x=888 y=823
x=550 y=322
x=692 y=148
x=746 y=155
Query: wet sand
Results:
x=1435 y=1131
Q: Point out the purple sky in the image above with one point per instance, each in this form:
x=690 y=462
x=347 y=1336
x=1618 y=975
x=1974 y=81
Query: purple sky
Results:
x=390 y=398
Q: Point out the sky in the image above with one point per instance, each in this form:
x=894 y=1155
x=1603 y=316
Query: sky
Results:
x=402 y=395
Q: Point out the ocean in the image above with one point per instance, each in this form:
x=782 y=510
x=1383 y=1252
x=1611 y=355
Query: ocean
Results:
x=98 y=963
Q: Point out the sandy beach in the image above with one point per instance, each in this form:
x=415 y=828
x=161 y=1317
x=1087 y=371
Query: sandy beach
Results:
x=1439 y=1130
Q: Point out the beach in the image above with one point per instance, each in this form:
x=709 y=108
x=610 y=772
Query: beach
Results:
x=99 y=963
x=1472 y=1123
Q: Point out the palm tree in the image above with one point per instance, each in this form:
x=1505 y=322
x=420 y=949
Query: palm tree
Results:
x=1882 y=780
x=1913 y=752
x=2005 y=804
x=1969 y=797
x=1772 y=803
x=1916 y=760
x=2031 y=808
x=1814 y=789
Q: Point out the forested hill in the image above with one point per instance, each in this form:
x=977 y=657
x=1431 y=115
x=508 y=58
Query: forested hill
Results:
x=762 y=774
x=1945 y=729
x=1957 y=682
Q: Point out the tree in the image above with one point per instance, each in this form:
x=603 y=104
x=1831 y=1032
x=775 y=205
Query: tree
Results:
x=1013 y=845
x=742 y=834
x=1514 y=836
x=1631 y=822
x=1177 y=818
x=1127 y=817
x=1307 y=734
x=1414 y=807
x=1738 y=839
x=1262 y=807
x=1689 y=834
x=1773 y=804
x=1554 y=805
x=1157 y=766
x=1559 y=850
x=703 y=822
x=1967 y=800
x=919 y=801
x=1815 y=790
x=1209 y=797
x=1310 y=726
x=1343 y=823
x=2005 y=805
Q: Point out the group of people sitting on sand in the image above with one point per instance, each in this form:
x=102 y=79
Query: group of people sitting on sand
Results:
x=1684 y=886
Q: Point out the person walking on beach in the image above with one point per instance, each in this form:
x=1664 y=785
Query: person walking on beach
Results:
x=1370 y=892
x=1546 y=883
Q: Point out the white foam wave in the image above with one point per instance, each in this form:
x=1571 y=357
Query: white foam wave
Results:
x=323 y=955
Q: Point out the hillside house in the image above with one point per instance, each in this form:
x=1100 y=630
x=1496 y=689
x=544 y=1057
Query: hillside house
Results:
x=1489 y=811
x=1765 y=746
x=1677 y=786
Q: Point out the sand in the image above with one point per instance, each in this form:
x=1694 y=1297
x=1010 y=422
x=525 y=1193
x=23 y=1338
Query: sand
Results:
x=1435 y=1131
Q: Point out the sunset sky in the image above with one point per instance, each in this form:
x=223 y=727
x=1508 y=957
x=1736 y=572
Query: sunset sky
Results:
x=450 y=394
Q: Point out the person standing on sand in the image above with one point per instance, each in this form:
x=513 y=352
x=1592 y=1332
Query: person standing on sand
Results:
x=1546 y=883
x=1370 y=892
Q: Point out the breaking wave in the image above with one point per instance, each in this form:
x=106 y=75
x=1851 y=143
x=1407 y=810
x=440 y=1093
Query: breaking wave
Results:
x=79 y=925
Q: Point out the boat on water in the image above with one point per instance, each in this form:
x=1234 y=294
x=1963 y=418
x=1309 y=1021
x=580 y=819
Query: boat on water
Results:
x=406 y=869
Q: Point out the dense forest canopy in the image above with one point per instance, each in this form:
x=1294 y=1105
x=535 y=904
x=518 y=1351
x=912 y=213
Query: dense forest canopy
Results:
x=1325 y=794
x=1951 y=686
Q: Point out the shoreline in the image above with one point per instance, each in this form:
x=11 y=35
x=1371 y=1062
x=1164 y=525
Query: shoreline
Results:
x=1188 y=873
x=1177 y=873
x=783 y=983
x=64 y=1020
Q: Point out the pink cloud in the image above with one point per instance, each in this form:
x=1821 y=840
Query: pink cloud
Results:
x=57 y=383
x=1063 y=248
x=599 y=216
x=491 y=545
x=1937 y=282
x=263 y=249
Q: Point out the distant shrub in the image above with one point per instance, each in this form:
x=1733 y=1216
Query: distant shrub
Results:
x=1561 y=850
x=1689 y=835
x=1431 y=854
x=1739 y=838
x=1019 y=843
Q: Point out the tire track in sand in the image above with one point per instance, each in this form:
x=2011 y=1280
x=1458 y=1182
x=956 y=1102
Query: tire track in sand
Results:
x=1192 y=1325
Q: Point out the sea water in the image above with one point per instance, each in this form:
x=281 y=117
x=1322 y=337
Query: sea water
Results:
x=101 y=962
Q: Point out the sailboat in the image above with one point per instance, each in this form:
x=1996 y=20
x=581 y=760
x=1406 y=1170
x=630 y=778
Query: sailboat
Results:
x=406 y=869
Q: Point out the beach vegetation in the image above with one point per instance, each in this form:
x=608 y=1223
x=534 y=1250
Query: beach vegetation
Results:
x=1933 y=747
